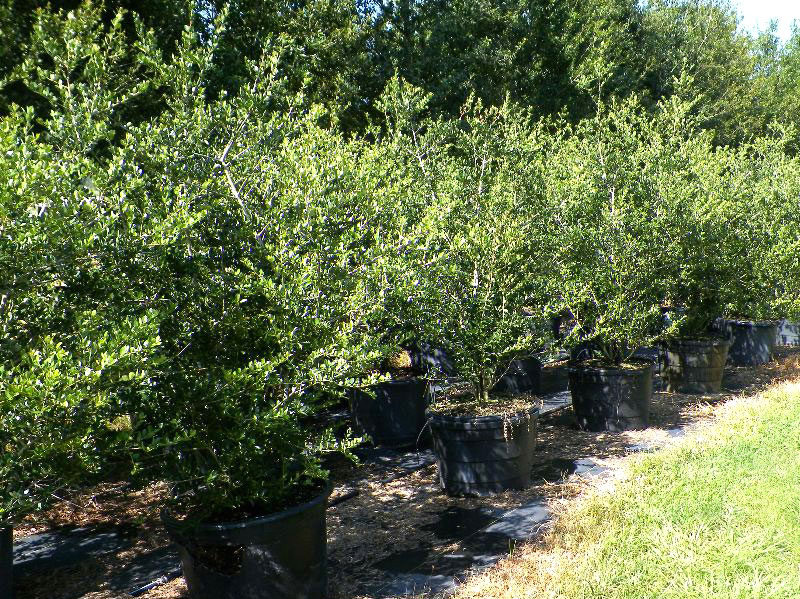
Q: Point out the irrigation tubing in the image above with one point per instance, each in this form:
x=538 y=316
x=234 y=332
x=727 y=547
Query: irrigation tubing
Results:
x=171 y=575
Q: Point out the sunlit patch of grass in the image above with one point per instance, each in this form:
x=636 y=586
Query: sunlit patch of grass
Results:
x=716 y=516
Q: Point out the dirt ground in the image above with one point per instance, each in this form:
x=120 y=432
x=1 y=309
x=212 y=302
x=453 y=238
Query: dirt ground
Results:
x=384 y=517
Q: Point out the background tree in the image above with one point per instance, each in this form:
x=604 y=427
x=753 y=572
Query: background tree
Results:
x=692 y=49
x=166 y=19
x=780 y=85
x=549 y=56
x=322 y=45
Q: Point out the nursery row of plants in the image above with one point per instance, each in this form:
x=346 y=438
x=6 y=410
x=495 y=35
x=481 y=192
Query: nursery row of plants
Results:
x=182 y=297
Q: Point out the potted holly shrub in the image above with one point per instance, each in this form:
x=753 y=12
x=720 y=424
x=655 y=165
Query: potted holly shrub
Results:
x=763 y=219
x=610 y=271
x=699 y=262
x=260 y=229
x=476 y=280
x=76 y=341
x=392 y=411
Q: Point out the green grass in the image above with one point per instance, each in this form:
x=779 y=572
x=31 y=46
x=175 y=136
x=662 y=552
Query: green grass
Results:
x=716 y=516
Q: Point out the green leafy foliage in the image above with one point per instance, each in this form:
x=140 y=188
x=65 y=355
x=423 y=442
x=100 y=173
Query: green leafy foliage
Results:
x=212 y=281
x=477 y=274
x=611 y=258
x=691 y=180
x=764 y=226
x=197 y=259
x=700 y=40
x=77 y=342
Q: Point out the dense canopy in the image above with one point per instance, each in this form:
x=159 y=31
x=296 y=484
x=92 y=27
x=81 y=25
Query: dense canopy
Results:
x=216 y=218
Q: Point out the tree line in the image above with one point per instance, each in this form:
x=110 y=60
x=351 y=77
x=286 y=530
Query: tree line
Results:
x=554 y=57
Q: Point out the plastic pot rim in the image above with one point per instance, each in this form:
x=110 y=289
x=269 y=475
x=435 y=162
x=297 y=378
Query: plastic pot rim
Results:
x=439 y=417
x=410 y=378
x=761 y=324
x=195 y=526
x=578 y=368
x=414 y=379
x=698 y=342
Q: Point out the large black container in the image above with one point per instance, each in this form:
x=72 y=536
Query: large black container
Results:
x=481 y=455
x=282 y=556
x=6 y=562
x=396 y=415
x=752 y=343
x=426 y=358
x=554 y=377
x=695 y=365
x=788 y=333
x=611 y=399
x=651 y=354
x=522 y=376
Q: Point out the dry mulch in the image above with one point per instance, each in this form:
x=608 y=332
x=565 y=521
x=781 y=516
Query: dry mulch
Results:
x=384 y=517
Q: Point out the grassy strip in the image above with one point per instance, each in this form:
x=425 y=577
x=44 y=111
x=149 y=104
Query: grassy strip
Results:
x=717 y=515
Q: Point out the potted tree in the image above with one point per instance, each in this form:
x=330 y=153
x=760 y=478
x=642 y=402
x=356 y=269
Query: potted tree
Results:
x=609 y=261
x=270 y=277
x=478 y=263
x=75 y=340
x=761 y=214
x=186 y=306
x=699 y=261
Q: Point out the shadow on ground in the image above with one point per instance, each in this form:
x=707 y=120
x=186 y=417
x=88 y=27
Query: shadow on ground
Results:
x=397 y=534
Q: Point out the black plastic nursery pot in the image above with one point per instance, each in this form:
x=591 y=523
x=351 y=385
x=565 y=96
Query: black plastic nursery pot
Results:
x=695 y=365
x=396 y=415
x=752 y=342
x=554 y=377
x=788 y=333
x=6 y=562
x=480 y=455
x=426 y=358
x=281 y=556
x=611 y=399
x=522 y=376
